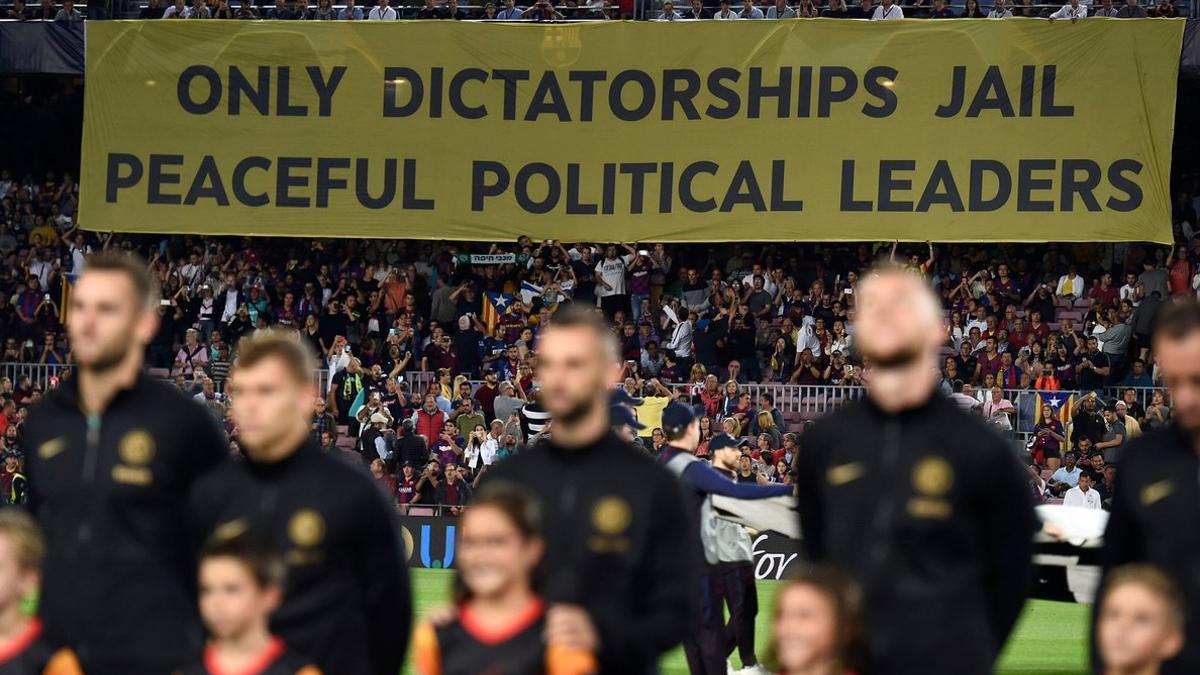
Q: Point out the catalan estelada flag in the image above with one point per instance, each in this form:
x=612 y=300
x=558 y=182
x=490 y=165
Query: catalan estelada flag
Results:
x=1060 y=403
x=494 y=304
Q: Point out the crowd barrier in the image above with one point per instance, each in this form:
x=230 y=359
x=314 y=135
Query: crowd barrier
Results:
x=798 y=403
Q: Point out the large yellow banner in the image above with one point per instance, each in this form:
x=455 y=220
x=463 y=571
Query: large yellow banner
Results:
x=1018 y=130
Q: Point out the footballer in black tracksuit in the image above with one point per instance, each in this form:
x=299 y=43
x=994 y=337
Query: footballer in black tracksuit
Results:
x=619 y=542
x=110 y=494
x=1155 y=504
x=346 y=597
x=929 y=510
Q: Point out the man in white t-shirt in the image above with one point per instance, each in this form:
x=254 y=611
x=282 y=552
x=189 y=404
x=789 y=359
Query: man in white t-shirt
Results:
x=886 y=11
x=1073 y=10
x=1083 y=495
x=610 y=279
x=382 y=12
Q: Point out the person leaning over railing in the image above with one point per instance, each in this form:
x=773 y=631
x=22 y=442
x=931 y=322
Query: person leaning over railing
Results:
x=1073 y=11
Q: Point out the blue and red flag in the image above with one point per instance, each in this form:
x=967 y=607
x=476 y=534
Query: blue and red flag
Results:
x=494 y=305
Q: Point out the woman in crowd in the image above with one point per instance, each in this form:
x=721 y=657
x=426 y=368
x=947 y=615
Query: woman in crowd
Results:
x=783 y=359
x=1158 y=413
x=1048 y=440
x=766 y=427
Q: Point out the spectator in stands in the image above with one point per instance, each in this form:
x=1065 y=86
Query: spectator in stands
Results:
x=1114 y=437
x=1107 y=9
x=1049 y=438
x=668 y=14
x=152 y=10
x=998 y=410
x=1165 y=9
x=246 y=10
x=351 y=12
x=542 y=10
x=324 y=12
x=1082 y=495
x=68 y=12
x=510 y=12
x=45 y=12
x=780 y=10
x=1070 y=285
x=223 y=11
x=1066 y=477
x=724 y=13
x=323 y=422
x=999 y=11
x=888 y=10
x=697 y=11
x=1132 y=10
x=1158 y=413
x=453 y=492
x=1074 y=11
x=1093 y=368
x=836 y=10
x=454 y=12
x=19 y=12
x=383 y=12
x=940 y=10
x=749 y=11
x=1137 y=376
x=192 y=356
x=199 y=10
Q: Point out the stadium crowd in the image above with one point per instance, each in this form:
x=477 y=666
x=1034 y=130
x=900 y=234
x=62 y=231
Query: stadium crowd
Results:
x=429 y=347
x=543 y=10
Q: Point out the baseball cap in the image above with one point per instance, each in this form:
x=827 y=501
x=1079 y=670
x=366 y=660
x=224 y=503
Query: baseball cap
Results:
x=722 y=441
x=676 y=417
x=619 y=415
x=378 y=418
x=621 y=397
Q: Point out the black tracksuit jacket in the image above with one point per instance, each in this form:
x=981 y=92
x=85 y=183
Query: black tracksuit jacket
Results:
x=619 y=541
x=1155 y=505
x=930 y=512
x=110 y=493
x=346 y=598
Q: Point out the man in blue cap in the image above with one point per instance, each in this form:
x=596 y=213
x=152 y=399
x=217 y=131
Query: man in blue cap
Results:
x=626 y=425
x=725 y=545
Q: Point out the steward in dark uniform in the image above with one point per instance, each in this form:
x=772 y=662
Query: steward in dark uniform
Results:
x=1153 y=520
x=346 y=599
x=619 y=543
x=110 y=494
x=929 y=511
x=277 y=659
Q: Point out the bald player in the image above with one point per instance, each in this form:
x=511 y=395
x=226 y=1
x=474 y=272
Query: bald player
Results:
x=1157 y=496
x=923 y=504
x=620 y=571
